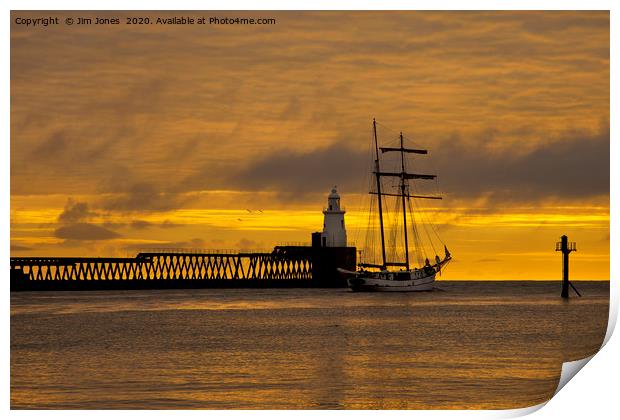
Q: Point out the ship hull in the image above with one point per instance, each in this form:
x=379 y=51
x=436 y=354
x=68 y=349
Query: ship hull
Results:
x=384 y=282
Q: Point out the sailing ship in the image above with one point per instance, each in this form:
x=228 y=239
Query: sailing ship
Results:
x=391 y=275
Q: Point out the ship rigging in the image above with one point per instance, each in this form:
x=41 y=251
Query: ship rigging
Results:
x=406 y=278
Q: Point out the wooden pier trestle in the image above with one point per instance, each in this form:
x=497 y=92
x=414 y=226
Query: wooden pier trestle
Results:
x=157 y=270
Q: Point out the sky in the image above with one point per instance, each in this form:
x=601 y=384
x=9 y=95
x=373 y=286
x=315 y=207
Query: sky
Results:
x=126 y=137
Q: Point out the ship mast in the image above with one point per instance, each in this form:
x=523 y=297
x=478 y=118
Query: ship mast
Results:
x=378 y=174
x=403 y=196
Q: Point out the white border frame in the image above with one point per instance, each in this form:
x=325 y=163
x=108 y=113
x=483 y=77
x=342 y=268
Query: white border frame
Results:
x=593 y=394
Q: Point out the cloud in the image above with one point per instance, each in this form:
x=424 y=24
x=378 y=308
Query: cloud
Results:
x=140 y=224
x=488 y=260
x=167 y=224
x=296 y=173
x=75 y=225
x=293 y=109
x=18 y=247
x=245 y=244
x=144 y=196
x=192 y=244
x=144 y=224
x=75 y=212
x=85 y=232
x=53 y=147
x=575 y=165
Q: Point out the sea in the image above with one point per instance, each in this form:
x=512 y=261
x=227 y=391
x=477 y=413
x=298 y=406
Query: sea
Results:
x=465 y=345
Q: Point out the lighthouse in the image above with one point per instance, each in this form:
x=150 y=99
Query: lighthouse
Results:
x=334 y=232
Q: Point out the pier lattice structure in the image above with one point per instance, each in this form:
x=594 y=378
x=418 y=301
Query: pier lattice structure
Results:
x=167 y=266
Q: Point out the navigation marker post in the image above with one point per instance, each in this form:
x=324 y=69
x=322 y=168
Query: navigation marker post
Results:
x=566 y=248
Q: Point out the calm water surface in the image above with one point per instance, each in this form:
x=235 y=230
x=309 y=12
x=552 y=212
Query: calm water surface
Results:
x=468 y=345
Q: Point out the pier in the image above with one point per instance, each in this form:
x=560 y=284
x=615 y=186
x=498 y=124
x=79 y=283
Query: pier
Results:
x=285 y=266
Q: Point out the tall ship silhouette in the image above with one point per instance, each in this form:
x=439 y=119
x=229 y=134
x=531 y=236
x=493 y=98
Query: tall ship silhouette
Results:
x=395 y=271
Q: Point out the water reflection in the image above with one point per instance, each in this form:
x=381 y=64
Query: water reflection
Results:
x=474 y=346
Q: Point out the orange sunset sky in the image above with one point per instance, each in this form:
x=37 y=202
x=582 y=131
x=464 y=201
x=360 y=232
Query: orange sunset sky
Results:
x=140 y=136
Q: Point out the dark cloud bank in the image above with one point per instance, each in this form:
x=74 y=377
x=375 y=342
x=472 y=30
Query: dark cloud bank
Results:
x=574 y=166
x=145 y=196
